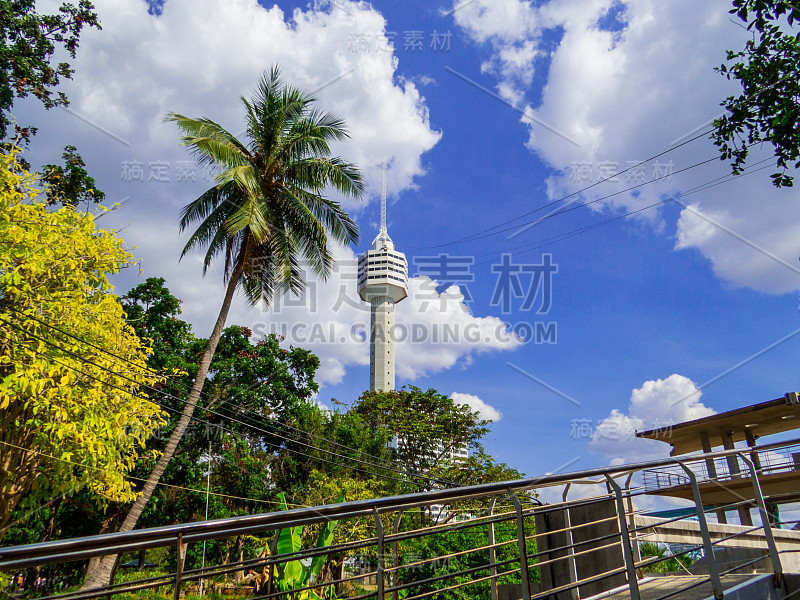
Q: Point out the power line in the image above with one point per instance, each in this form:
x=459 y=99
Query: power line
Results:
x=577 y=206
x=161 y=393
x=220 y=427
x=383 y=463
x=229 y=417
x=169 y=485
x=152 y=371
x=610 y=177
x=568 y=196
x=702 y=187
x=251 y=426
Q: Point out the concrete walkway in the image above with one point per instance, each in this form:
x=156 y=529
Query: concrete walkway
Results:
x=651 y=588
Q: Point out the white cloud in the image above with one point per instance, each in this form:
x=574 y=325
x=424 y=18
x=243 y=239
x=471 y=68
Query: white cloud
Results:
x=655 y=404
x=197 y=58
x=434 y=331
x=509 y=27
x=322 y=406
x=658 y=403
x=752 y=239
x=554 y=494
x=485 y=411
x=486 y=20
x=625 y=93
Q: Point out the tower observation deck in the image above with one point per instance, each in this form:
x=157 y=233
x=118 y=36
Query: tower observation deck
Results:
x=382 y=281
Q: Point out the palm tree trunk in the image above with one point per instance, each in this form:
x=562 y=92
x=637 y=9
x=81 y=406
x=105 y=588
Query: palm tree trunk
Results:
x=101 y=570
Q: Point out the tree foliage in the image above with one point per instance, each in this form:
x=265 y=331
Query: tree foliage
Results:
x=71 y=408
x=154 y=314
x=768 y=68
x=71 y=184
x=340 y=445
x=267 y=214
x=260 y=381
x=670 y=564
x=29 y=40
x=427 y=425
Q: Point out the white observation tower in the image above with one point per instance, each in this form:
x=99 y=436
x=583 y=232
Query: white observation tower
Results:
x=382 y=281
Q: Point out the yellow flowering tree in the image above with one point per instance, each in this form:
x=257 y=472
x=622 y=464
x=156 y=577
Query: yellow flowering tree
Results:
x=72 y=407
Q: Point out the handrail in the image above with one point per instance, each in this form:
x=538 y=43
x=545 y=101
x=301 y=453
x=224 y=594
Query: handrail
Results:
x=623 y=539
x=113 y=543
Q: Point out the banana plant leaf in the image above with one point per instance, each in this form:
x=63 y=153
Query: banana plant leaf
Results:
x=289 y=541
x=324 y=540
x=293 y=574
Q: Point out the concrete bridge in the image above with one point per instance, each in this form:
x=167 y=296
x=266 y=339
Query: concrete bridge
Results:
x=733 y=544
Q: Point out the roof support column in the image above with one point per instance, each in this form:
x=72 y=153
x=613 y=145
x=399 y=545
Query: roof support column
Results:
x=711 y=467
x=734 y=470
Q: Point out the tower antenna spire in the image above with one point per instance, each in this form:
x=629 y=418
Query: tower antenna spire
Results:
x=383 y=231
x=382 y=281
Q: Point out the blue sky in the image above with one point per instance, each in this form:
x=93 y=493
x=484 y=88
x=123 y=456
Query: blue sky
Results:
x=513 y=105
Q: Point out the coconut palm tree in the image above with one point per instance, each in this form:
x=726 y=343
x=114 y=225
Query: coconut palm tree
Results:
x=266 y=214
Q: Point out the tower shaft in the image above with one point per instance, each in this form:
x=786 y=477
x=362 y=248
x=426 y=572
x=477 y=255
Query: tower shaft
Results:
x=381 y=347
x=382 y=281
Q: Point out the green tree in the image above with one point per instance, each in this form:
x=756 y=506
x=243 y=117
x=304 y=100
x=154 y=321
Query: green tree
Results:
x=267 y=215
x=154 y=313
x=675 y=563
x=321 y=489
x=71 y=407
x=427 y=425
x=478 y=468
x=71 y=184
x=29 y=40
x=432 y=556
x=259 y=382
x=340 y=445
x=768 y=68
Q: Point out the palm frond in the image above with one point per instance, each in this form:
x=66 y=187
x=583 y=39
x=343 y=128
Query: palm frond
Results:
x=268 y=213
x=331 y=215
x=244 y=177
x=205 y=204
x=319 y=173
x=210 y=143
x=221 y=240
x=205 y=231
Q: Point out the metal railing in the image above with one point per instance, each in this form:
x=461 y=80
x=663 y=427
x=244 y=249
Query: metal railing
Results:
x=506 y=536
x=780 y=460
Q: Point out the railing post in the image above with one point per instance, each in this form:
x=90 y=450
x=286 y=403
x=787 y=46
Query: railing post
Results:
x=708 y=546
x=273 y=547
x=492 y=552
x=637 y=553
x=573 y=566
x=379 y=532
x=633 y=583
x=765 y=524
x=523 y=552
x=179 y=571
x=396 y=553
x=751 y=442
